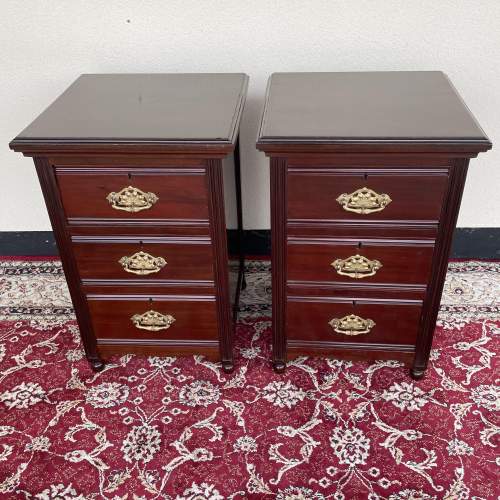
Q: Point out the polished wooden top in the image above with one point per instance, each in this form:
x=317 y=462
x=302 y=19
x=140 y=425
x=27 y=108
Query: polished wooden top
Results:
x=140 y=109
x=367 y=107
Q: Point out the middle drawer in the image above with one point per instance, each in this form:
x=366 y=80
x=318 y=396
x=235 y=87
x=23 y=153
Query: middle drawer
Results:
x=154 y=258
x=352 y=260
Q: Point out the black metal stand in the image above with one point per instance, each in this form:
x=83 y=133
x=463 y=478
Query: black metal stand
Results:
x=241 y=283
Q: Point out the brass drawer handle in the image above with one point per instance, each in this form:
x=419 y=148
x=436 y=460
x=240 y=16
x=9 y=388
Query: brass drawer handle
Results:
x=356 y=266
x=364 y=201
x=131 y=199
x=351 y=325
x=142 y=263
x=152 y=321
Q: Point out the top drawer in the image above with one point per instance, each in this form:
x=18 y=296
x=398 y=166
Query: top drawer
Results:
x=365 y=194
x=160 y=193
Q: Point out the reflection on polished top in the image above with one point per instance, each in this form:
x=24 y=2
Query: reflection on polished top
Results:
x=137 y=108
x=378 y=107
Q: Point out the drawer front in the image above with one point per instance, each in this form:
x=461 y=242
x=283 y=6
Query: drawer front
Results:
x=334 y=194
x=173 y=194
x=375 y=322
x=117 y=317
x=359 y=261
x=175 y=259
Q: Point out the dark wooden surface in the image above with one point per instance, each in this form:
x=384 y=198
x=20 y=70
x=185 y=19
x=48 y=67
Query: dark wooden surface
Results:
x=278 y=260
x=355 y=352
x=396 y=322
x=195 y=317
x=355 y=290
x=403 y=261
x=188 y=259
x=349 y=228
x=133 y=108
x=108 y=348
x=181 y=193
x=415 y=194
x=405 y=134
x=48 y=183
x=402 y=106
x=164 y=134
x=451 y=207
x=139 y=228
x=219 y=241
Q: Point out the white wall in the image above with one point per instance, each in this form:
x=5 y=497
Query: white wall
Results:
x=45 y=45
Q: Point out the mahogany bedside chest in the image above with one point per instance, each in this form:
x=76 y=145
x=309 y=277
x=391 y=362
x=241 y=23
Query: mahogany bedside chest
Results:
x=367 y=173
x=131 y=168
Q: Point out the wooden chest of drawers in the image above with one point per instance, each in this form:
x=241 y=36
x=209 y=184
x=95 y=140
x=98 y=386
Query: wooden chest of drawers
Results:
x=367 y=173
x=131 y=168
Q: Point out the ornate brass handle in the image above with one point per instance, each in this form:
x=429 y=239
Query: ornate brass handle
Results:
x=152 y=321
x=131 y=199
x=142 y=263
x=364 y=201
x=356 y=266
x=351 y=325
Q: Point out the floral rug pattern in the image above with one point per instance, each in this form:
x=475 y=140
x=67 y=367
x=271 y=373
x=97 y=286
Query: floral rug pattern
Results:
x=181 y=428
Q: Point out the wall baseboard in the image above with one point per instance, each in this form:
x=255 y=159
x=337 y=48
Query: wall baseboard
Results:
x=468 y=243
x=28 y=243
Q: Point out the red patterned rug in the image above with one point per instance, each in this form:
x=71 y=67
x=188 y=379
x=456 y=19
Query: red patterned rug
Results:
x=181 y=429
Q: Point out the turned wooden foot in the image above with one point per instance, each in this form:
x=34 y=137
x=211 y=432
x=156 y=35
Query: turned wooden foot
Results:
x=228 y=366
x=96 y=364
x=417 y=373
x=279 y=366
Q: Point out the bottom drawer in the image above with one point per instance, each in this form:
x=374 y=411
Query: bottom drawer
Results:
x=370 y=321
x=153 y=318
